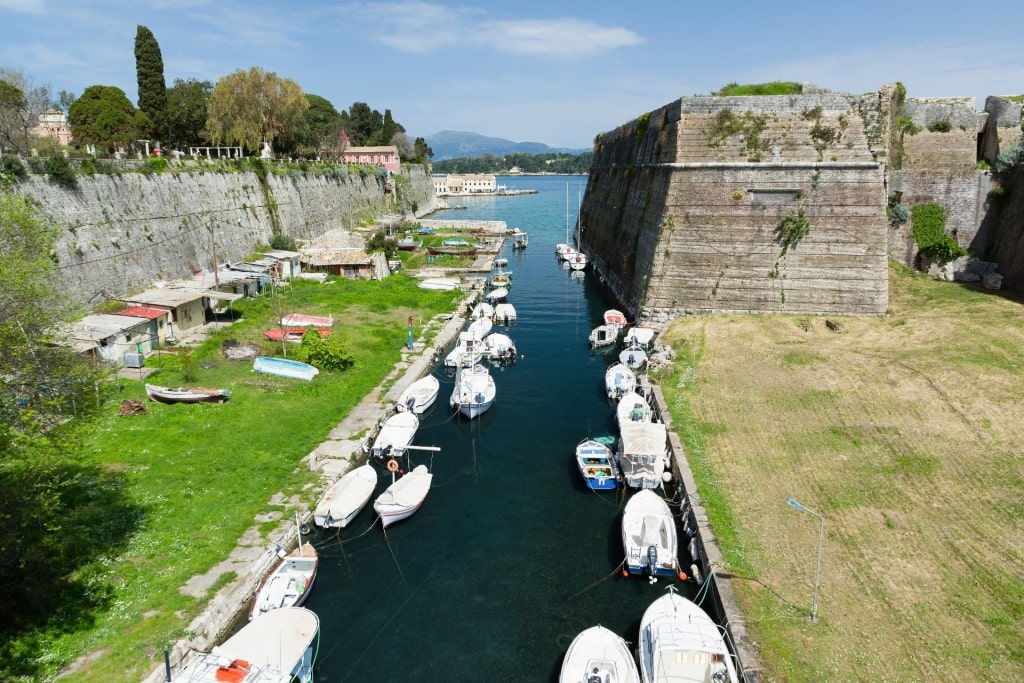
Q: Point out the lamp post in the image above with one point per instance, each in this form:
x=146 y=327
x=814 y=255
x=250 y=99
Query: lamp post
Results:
x=821 y=533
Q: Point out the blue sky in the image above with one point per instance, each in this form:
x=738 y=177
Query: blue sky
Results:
x=552 y=72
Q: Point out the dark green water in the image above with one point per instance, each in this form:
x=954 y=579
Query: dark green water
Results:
x=510 y=556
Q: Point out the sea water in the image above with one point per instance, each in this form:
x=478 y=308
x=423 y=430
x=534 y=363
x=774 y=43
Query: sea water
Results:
x=510 y=556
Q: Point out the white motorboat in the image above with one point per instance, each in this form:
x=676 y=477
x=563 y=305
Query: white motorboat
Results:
x=633 y=356
x=618 y=379
x=615 y=317
x=276 y=648
x=603 y=336
x=499 y=348
x=640 y=336
x=650 y=540
x=419 y=396
x=479 y=328
x=632 y=407
x=500 y=262
x=467 y=351
x=679 y=642
x=597 y=655
x=483 y=309
x=505 y=313
x=474 y=391
x=405 y=495
x=288 y=582
x=497 y=294
x=597 y=465
x=642 y=452
x=395 y=435
x=344 y=499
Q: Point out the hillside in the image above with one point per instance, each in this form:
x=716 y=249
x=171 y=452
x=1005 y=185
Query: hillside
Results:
x=450 y=144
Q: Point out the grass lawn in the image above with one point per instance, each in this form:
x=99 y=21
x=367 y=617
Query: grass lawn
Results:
x=904 y=432
x=181 y=484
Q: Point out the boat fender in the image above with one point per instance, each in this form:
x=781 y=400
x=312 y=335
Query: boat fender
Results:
x=695 y=573
x=305 y=529
x=392 y=465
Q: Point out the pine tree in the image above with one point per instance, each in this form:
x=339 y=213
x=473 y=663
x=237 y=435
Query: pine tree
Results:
x=149 y=71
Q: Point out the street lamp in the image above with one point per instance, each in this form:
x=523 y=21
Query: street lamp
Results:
x=821 y=533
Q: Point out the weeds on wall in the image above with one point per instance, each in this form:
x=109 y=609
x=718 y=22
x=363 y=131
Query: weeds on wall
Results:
x=930 y=233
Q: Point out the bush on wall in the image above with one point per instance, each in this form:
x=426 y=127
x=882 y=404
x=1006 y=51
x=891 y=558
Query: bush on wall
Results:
x=930 y=233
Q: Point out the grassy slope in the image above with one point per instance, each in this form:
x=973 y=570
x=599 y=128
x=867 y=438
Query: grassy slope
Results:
x=904 y=432
x=196 y=476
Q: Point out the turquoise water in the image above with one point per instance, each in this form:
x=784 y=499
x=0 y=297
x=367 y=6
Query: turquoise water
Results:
x=510 y=556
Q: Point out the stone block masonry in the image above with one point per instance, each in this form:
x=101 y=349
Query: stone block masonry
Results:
x=121 y=233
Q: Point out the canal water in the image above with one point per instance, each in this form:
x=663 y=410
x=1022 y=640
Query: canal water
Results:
x=510 y=556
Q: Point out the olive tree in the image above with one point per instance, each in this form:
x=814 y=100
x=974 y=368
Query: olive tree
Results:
x=254 y=108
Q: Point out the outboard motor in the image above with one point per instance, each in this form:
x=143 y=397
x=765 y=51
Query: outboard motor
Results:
x=652 y=562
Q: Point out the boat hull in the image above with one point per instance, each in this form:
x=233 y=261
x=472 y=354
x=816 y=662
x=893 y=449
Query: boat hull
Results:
x=598 y=654
x=404 y=497
x=282 y=367
x=419 y=396
x=186 y=395
x=650 y=540
x=346 y=498
x=597 y=466
x=288 y=583
x=474 y=391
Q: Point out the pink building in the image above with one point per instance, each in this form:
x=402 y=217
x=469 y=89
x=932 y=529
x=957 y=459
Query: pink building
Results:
x=386 y=156
x=53 y=124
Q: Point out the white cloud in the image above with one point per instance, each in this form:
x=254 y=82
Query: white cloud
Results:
x=24 y=6
x=562 y=38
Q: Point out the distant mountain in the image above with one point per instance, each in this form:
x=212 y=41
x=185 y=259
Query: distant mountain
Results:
x=452 y=144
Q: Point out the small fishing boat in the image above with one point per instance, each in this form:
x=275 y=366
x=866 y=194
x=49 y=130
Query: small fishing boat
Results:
x=632 y=407
x=284 y=367
x=500 y=262
x=501 y=279
x=505 y=313
x=521 y=240
x=633 y=356
x=293 y=334
x=596 y=464
x=499 y=348
x=474 y=391
x=615 y=317
x=482 y=309
x=649 y=537
x=680 y=642
x=408 y=244
x=497 y=294
x=618 y=379
x=276 y=648
x=479 y=328
x=301 y=320
x=395 y=435
x=288 y=582
x=187 y=394
x=468 y=350
x=405 y=495
x=641 y=336
x=419 y=395
x=642 y=453
x=468 y=250
x=597 y=655
x=603 y=336
x=344 y=499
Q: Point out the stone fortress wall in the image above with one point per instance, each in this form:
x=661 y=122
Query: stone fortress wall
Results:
x=121 y=233
x=684 y=205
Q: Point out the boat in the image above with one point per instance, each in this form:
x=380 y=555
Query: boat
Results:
x=283 y=367
x=455 y=242
x=640 y=336
x=404 y=496
x=187 y=394
x=505 y=313
x=468 y=250
x=497 y=294
x=615 y=317
x=632 y=407
x=596 y=464
x=287 y=584
x=642 y=454
x=276 y=648
x=680 y=642
x=568 y=253
x=343 y=499
x=521 y=240
x=500 y=262
x=618 y=379
x=560 y=249
x=633 y=356
x=649 y=537
x=501 y=279
x=474 y=391
x=598 y=655
x=440 y=283
x=301 y=320
x=578 y=261
x=603 y=336
x=482 y=309
x=479 y=328
x=468 y=350
x=419 y=396
x=408 y=244
x=293 y=334
x=395 y=435
x=499 y=347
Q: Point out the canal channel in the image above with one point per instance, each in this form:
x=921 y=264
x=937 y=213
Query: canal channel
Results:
x=510 y=556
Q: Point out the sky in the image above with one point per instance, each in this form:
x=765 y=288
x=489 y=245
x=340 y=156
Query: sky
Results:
x=555 y=72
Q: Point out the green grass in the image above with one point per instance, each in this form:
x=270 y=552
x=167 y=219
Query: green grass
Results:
x=189 y=480
x=755 y=89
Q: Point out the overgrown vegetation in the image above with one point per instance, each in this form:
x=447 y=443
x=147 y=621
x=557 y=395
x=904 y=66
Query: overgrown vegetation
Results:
x=793 y=227
x=772 y=88
x=726 y=123
x=929 y=230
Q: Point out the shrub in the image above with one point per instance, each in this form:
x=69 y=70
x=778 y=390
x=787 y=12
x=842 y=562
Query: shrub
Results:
x=930 y=233
x=282 y=242
x=791 y=229
x=940 y=126
x=325 y=354
x=12 y=165
x=59 y=171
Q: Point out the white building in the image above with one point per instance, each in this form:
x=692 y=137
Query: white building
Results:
x=462 y=185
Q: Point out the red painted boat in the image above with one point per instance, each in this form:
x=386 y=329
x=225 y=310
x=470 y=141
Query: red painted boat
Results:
x=293 y=334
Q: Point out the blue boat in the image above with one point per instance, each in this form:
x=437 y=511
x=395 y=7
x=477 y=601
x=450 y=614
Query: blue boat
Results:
x=599 y=470
x=283 y=367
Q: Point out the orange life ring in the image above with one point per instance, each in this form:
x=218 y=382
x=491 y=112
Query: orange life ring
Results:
x=392 y=465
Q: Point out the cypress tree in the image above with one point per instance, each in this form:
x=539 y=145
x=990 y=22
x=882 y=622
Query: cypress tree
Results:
x=149 y=71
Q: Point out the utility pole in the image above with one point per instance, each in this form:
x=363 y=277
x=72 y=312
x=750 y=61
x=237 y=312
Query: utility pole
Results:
x=213 y=250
